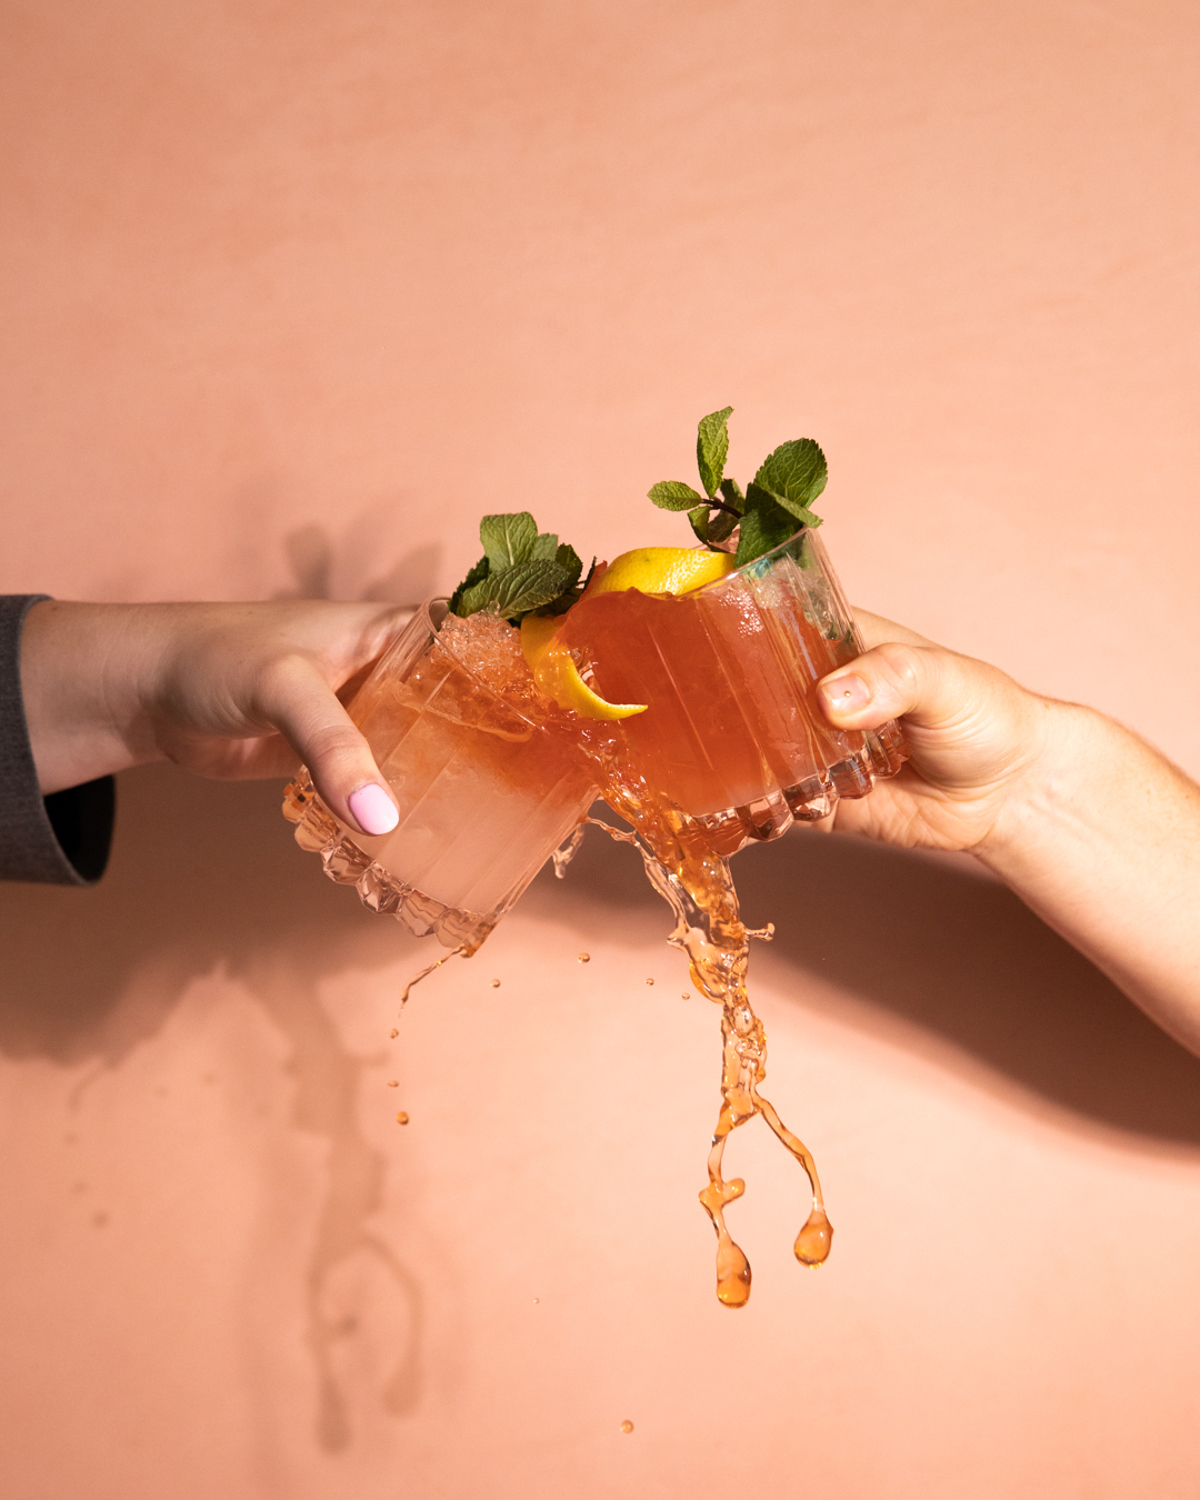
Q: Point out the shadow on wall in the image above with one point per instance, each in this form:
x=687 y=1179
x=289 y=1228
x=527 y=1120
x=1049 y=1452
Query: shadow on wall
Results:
x=207 y=877
x=947 y=962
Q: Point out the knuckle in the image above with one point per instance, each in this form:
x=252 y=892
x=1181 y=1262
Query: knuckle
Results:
x=901 y=668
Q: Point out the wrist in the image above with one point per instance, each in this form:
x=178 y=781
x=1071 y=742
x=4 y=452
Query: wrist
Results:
x=1043 y=805
x=82 y=671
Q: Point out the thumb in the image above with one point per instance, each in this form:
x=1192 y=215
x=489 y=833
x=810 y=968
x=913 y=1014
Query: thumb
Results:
x=303 y=707
x=967 y=724
x=929 y=686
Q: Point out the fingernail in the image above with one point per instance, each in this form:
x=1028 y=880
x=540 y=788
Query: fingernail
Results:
x=846 y=695
x=373 y=810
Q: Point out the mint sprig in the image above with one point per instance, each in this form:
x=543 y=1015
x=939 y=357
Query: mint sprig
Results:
x=522 y=569
x=781 y=494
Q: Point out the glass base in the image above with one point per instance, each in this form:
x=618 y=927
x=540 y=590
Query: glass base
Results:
x=808 y=801
x=319 y=832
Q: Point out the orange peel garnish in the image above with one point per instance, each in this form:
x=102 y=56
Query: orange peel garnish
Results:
x=557 y=676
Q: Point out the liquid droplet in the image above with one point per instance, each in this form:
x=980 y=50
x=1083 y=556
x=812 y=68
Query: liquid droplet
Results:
x=495 y=984
x=686 y=996
x=402 y=1117
x=395 y=1033
x=393 y=1083
x=626 y=1425
x=536 y=1300
x=733 y=1276
x=585 y=958
x=814 y=1240
x=649 y=981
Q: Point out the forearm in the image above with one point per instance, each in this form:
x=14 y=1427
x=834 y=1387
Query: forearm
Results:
x=1102 y=840
x=83 y=670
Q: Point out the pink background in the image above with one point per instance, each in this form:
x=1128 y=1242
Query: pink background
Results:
x=291 y=295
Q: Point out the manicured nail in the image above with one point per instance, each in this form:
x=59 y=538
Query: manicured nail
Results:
x=846 y=695
x=373 y=810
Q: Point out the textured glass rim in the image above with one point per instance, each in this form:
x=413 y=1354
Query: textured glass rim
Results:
x=767 y=558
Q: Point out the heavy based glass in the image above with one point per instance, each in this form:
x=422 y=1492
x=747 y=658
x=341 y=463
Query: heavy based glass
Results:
x=733 y=736
x=486 y=783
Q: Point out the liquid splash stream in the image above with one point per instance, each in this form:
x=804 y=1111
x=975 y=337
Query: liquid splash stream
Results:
x=460 y=952
x=698 y=887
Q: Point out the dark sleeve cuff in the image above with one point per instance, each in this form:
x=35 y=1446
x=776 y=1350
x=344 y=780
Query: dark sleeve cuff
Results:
x=62 y=839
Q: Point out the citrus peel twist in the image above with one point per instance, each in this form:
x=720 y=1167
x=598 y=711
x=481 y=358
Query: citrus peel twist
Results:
x=650 y=570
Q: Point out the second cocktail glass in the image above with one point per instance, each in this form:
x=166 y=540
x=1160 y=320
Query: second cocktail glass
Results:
x=732 y=735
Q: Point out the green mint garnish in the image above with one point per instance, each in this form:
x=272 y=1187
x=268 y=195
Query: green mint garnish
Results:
x=673 y=494
x=522 y=569
x=712 y=448
x=787 y=483
x=794 y=475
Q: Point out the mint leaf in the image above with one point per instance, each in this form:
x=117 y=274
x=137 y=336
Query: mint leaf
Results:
x=517 y=590
x=794 y=475
x=712 y=448
x=567 y=557
x=731 y=493
x=765 y=526
x=545 y=545
x=477 y=574
x=529 y=586
x=699 y=521
x=798 y=513
x=712 y=526
x=509 y=539
x=673 y=494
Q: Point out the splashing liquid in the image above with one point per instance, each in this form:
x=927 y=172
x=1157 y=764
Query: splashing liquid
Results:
x=462 y=951
x=696 y=883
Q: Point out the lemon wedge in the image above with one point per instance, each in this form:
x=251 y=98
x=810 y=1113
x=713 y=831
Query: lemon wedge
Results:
x=557 y=676
x=663 y=570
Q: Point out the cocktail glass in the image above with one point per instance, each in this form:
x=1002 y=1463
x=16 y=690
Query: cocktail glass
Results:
x=732 y=736
x=487 y=783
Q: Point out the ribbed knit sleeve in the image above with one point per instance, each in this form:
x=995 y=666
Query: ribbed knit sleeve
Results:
x=62 y=839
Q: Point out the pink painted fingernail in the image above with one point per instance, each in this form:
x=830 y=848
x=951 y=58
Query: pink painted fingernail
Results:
x=846 y=695
x=373 y=810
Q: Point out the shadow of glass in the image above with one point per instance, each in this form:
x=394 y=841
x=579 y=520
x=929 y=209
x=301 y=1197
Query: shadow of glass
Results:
x=207 y=878
x=956 y=960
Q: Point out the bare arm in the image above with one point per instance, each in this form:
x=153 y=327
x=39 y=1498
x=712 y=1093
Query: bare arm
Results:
x=1093 y=828
x=225 y=690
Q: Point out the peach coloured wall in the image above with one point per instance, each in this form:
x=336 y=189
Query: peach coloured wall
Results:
x=291 y=294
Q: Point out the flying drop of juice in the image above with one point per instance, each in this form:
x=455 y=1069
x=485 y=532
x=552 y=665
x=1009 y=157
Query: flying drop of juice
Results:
x=649 y=981
x=393 y=1083
x=733 y=1275
x=495 y=984
x=686 y=996
x=395 y=1033
x=814 y=1240
x=402 y=1117
x=585 y=958
x=626 y=1425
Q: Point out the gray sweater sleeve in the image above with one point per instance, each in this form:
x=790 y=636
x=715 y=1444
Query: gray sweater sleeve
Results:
x=62 y=839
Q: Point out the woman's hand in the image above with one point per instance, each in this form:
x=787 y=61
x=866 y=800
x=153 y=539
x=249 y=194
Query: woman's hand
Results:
x=974 y=737
x=225 y=690
x=1092 y=827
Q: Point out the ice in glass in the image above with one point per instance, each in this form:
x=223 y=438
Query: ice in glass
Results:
x=489 y=780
